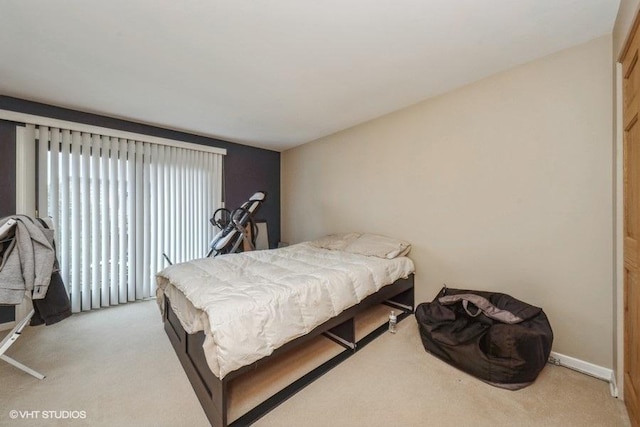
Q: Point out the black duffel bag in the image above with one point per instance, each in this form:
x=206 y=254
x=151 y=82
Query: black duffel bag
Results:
x=492 y=336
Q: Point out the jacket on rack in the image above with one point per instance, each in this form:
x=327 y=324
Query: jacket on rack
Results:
x=27 y=260
x=55 y=305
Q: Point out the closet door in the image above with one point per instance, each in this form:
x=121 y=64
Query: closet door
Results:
x=631 y=96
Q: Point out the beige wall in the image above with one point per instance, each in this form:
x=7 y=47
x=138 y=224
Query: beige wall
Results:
x=505 y=185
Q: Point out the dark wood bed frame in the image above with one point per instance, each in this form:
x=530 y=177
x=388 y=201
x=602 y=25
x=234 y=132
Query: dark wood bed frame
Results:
x=213 y=392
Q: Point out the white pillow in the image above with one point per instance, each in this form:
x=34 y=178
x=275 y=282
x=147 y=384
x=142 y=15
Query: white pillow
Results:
x=378 y=246
x=336 y=242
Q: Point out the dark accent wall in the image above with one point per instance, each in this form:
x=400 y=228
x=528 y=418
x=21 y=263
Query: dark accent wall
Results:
x=7 y=313
x=7 y=168
x=244 y=174
x=7 y=188
x=246 y=169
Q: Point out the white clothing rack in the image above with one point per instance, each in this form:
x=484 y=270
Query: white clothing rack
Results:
x=17 y=330
x=10 y=339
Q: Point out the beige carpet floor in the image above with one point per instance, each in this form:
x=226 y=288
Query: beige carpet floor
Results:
x=117 y=367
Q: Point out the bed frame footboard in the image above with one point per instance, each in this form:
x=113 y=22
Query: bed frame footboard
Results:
x=213 y=392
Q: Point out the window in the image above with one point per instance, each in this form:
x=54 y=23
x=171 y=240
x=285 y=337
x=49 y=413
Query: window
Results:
x=118 y=203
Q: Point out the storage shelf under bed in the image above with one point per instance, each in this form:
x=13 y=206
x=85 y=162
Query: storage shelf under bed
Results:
x=245 y=395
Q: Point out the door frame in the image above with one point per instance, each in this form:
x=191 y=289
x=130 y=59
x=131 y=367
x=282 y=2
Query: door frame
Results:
x=618 y=250
x=619 y=199
x=618 y=296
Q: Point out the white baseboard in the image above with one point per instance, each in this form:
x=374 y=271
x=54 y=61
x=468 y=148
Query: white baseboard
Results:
x=613 y=386
x=604 y=374
x=7 y=326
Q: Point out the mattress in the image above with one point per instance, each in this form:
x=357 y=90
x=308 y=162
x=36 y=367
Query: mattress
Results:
x=252 y=303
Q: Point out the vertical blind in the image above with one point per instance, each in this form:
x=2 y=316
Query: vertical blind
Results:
x=118 y=204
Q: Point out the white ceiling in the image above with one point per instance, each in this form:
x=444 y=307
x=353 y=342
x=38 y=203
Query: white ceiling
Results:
x=273 y=73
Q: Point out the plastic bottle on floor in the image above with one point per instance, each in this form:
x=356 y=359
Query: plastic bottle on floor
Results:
x=393 y=321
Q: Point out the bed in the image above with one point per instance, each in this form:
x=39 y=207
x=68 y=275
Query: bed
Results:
x=233 y=318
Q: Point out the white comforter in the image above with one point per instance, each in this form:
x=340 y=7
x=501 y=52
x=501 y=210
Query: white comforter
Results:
x=257 y=301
